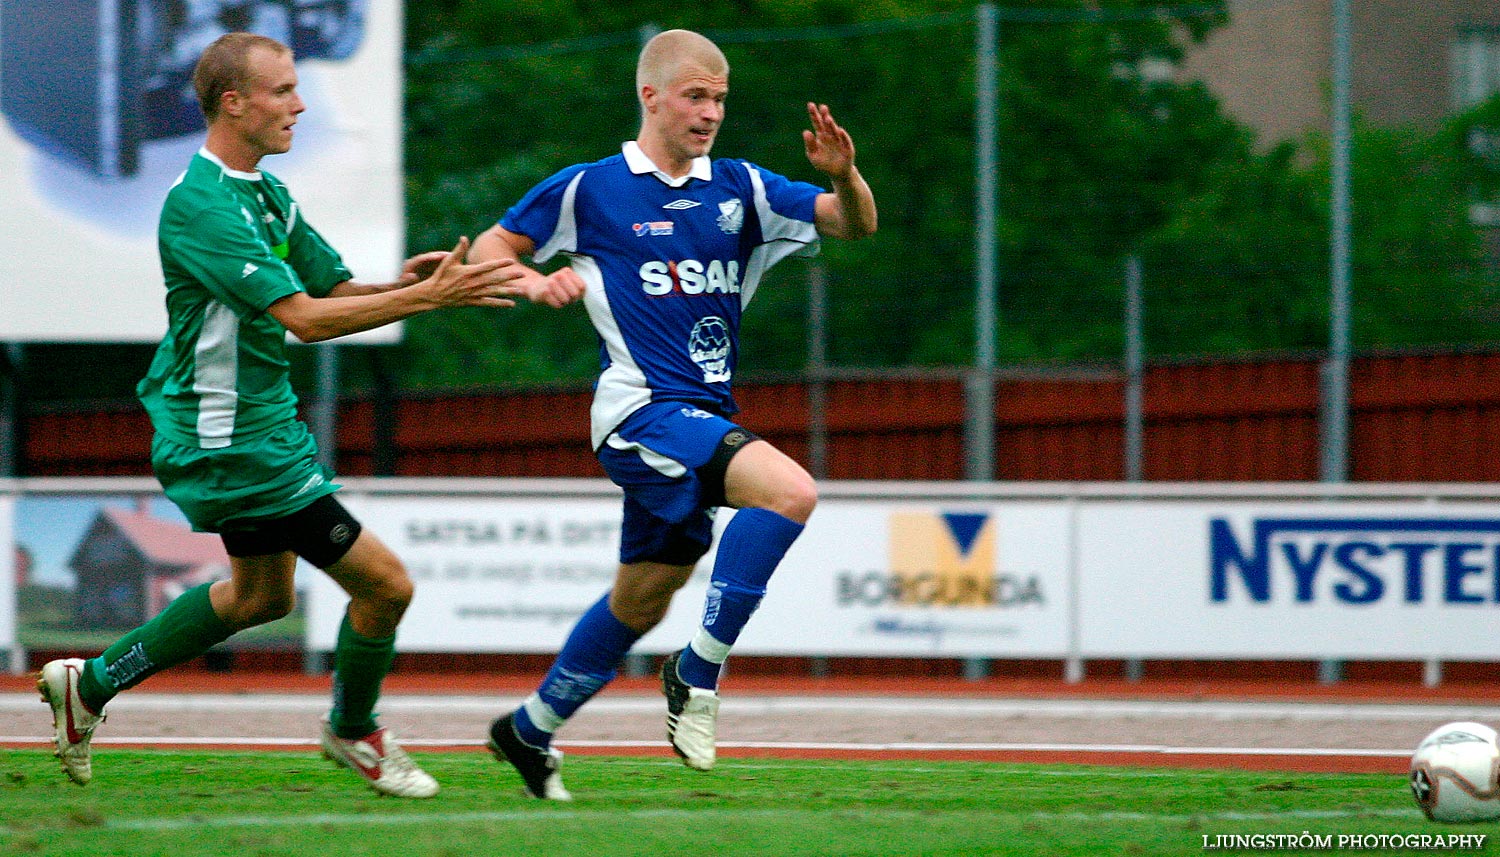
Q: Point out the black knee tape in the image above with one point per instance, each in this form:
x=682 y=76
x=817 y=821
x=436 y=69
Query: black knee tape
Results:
x=255 y=541
x=711 y=474
x=321 y=533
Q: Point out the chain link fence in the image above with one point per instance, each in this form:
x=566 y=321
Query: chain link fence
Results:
x=1106 y=150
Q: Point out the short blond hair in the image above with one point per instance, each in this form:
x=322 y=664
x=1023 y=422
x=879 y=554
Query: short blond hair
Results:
x=665 y=55
x=225 y=67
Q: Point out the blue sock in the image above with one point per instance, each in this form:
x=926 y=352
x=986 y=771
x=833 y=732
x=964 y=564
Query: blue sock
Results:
x=587 y=663
x=749 y=550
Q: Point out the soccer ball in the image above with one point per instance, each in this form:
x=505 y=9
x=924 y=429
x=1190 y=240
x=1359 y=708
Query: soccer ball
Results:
x=1454 y=773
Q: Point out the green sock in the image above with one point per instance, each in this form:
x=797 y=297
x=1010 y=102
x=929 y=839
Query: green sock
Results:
x=359 y=666
x=186 y=629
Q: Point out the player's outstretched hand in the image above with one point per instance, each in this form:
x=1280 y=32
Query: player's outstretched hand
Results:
x=491 y=283
x=420 y=267
x=830 y=149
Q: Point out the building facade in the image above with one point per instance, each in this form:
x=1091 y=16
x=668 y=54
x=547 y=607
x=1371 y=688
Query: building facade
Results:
x=1413 y=62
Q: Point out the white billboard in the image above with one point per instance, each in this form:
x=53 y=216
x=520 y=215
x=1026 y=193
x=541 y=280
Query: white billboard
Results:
x=887 y=570
x=491 y=574
x=97 y=120
x=1302 y=580
x=10 y=572
x=865 y=578
x=922 y=579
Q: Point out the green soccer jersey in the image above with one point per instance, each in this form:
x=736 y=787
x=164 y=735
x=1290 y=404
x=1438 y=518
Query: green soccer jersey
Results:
x=232 y=243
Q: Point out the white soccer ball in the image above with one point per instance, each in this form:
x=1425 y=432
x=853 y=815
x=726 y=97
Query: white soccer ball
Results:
x=1455 y=773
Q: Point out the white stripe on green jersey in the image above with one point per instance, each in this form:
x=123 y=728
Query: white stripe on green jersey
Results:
x=232 y=243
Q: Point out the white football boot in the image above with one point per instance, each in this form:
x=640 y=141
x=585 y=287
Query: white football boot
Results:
x=692 y=717
x=380 y=760
x=73 y=721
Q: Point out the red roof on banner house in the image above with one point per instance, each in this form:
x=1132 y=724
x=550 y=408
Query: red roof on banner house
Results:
x=167 y=542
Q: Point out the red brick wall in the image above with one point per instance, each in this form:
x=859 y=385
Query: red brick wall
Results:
x=1414 y=418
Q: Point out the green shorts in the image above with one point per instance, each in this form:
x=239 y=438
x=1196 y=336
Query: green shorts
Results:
x=268 y=476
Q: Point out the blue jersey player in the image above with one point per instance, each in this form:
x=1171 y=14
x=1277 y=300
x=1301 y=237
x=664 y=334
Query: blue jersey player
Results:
x=667 y=248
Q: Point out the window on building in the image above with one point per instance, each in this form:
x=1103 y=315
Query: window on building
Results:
x=1476 y=65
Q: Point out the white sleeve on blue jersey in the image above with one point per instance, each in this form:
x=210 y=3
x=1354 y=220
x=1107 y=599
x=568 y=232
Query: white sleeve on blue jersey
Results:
x=786 y=210
x=545 y=214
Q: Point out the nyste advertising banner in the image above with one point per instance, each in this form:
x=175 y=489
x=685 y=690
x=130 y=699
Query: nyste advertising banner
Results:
x=98 y=119
x=1307 y=580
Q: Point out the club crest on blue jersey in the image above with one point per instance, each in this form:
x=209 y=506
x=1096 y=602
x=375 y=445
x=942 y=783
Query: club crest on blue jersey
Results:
x=709 y=347
x=731 y=216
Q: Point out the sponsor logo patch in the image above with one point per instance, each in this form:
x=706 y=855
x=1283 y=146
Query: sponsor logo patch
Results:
x=690 y=277
x=653 y=227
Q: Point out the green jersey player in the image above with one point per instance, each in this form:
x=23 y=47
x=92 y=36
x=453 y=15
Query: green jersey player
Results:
x=243 y=267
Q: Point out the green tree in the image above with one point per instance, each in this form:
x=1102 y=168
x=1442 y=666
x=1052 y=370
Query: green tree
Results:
x=1104 y=152
x=1095 y=155
x=1244 y=265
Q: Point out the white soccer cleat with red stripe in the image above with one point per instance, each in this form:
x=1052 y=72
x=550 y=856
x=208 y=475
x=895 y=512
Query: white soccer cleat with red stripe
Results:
x=381 y=761
x=74 y=722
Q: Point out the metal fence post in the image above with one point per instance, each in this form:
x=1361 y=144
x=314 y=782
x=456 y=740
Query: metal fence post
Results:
x=324 y=414
x=817 y=369
x=1334 y=421
x=11 y=358
x=1134 y=372
x=979 y=394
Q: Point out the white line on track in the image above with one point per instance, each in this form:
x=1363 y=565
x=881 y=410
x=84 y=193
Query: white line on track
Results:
x=813 y=746
x=749 y=706
x=772 y=705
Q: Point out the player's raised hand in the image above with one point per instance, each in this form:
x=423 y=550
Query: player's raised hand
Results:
x=829 y=147
x=491 y=283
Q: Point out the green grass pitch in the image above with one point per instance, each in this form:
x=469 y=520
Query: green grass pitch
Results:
x=287 y=804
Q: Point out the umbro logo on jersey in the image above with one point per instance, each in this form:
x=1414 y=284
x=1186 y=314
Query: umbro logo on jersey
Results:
x=681 y=205
x=250 y=268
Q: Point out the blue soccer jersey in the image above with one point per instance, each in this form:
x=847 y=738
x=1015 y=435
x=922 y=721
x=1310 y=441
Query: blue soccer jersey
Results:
x=670 y=264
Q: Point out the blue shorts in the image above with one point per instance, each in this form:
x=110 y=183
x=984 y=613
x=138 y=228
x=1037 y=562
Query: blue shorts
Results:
x=655 y=456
